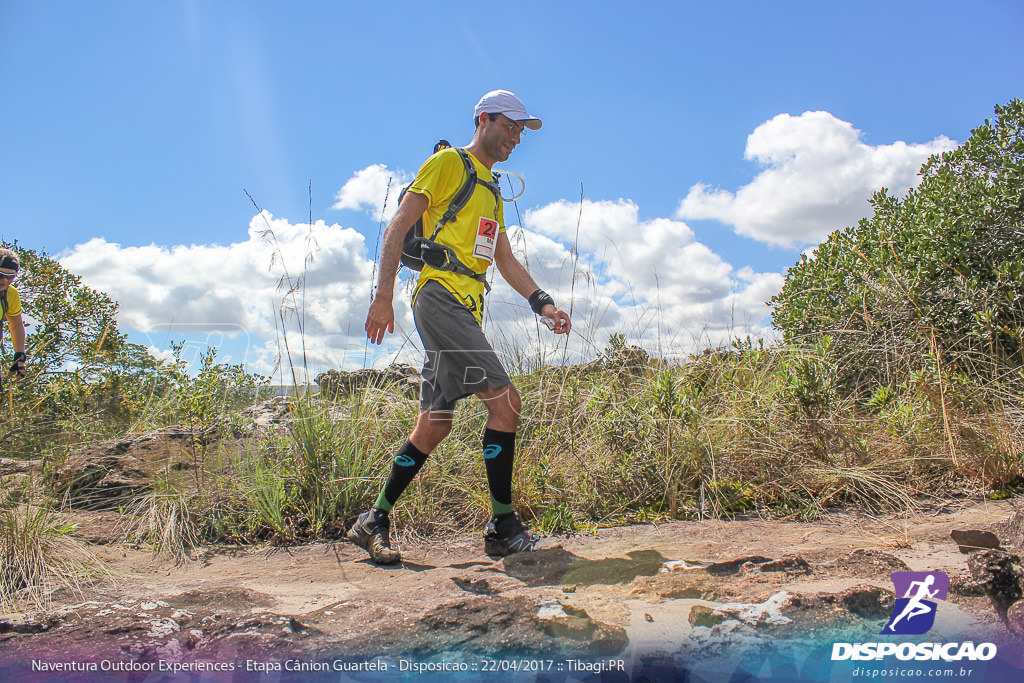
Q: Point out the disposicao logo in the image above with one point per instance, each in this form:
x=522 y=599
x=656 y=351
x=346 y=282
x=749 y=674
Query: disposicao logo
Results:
x=914 y=613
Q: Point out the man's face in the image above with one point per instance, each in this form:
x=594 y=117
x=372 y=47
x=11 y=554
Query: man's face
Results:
x=6 y=277
x=501 y=136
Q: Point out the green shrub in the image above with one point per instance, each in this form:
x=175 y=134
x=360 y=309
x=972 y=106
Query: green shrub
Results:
x=935 y=278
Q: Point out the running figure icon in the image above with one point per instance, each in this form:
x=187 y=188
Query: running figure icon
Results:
x=915 y=604
x=920 y=590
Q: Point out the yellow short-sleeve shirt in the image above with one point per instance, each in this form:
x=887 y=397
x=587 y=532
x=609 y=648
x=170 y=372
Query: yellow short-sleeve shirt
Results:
x=13 y=306
x=474 y=232
x=13 y=302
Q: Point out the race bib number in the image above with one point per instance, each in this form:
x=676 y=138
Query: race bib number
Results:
x=486 y=234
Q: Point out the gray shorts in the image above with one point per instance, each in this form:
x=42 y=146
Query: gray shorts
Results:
x=459 y=359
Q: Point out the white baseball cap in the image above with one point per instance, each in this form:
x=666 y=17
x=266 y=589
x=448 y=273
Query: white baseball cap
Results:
x=505 y=102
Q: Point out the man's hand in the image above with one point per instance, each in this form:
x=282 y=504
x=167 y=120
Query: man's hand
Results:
x=380 y=318
x=560 y=317
x=18 y=367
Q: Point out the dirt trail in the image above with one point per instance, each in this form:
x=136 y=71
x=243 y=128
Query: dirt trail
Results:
x=620 y=595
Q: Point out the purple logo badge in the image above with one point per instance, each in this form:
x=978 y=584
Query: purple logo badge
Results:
x=914 y=612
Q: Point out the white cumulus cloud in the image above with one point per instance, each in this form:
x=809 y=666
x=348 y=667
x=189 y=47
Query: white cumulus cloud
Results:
x=817 y=177
x=649 y=280
x=236 y=288
x=368 y=190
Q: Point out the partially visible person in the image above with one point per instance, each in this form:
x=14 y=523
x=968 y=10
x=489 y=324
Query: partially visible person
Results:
x=10 y=304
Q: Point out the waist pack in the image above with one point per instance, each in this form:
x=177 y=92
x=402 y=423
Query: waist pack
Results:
x=418 y=250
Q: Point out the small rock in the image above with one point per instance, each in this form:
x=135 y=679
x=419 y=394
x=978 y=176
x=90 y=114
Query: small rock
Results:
x=563 y=621
x=865 y=562
x=648 y=617
x=572 y=626
x=864 y=601
x=965 y=585
x=734 y=566
x=867 y=602
x=10 y=466
x=792 y=565
x=273 y=412
x=479 y=587
x=702 y=615
x=21 y=623
x=1014 y=531
x=1015 y=617
x=971 y=540
x=1000 y=574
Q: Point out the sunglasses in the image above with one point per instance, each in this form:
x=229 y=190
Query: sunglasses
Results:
x=8 y=276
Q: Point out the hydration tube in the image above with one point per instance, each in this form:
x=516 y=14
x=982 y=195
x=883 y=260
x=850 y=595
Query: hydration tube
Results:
x=521 y=182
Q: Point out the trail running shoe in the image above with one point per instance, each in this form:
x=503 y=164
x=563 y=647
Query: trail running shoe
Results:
x=372 y=533
x=506 y=534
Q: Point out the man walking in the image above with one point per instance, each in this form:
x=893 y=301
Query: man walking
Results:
x=10 y=309
x=448 y=305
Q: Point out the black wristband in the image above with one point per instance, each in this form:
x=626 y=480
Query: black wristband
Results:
x=540 y=299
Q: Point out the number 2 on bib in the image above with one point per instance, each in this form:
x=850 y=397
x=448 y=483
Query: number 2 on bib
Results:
x=486 y=233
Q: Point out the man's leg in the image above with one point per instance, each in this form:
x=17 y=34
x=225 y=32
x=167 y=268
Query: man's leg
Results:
x=499 y=442
x=432 y=426
x=372 y=530
x=505 y=533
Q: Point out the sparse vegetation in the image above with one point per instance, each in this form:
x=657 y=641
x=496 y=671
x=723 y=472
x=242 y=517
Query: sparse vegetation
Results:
x=898 y=381
x=38 y=554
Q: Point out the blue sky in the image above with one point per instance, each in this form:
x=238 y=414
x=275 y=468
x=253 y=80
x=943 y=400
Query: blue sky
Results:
x=713 y=141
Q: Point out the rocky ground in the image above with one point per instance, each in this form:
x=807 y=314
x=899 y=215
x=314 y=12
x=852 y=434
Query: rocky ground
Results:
x=624 y=595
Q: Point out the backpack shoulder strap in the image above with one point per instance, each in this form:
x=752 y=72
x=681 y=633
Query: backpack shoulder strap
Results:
x=3 y=316
x=461 y=197
x=492 y=185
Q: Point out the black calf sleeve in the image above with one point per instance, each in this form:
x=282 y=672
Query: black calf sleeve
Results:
x=499 y=457
x=404 y=468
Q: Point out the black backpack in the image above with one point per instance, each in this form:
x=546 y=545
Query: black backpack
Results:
x=418 y=250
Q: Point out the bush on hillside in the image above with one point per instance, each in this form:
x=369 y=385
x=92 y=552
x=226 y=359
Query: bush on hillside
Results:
x=86 y=381
x=935 y=279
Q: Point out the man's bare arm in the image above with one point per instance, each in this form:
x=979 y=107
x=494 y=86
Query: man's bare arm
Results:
x=511 y=269
x=520 y=279
x=381 y=316
x=17 y=327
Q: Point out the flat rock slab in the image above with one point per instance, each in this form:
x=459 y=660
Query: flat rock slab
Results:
x=972 y=540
